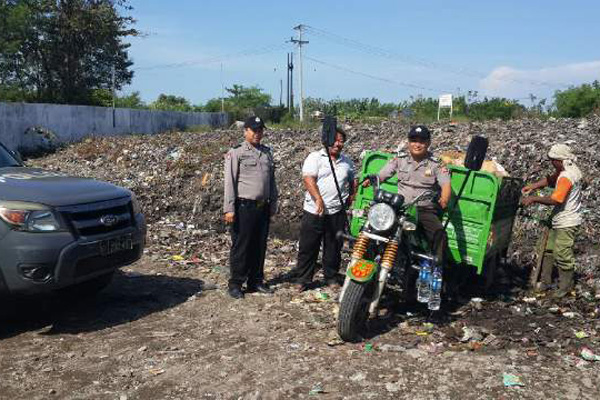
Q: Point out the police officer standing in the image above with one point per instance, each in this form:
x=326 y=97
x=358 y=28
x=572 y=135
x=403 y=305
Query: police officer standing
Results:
x=249 y=201
x=419 y=171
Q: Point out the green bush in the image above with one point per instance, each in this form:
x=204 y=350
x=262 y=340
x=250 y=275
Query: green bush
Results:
x=495 y=108
x=351 y=109
x=578 y=101
x=167 y=102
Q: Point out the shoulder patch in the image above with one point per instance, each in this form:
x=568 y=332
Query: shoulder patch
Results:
x=435 y=159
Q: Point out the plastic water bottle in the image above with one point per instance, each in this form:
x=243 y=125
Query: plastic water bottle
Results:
x=436 y=290
x=424 y=282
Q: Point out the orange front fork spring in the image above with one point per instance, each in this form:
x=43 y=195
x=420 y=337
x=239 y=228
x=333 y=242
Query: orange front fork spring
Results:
x=360 y=247
x=389 y=256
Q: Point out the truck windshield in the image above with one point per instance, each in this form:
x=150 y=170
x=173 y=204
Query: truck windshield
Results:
x=7 y=159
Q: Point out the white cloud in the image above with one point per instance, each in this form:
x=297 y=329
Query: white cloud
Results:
x=511 y=82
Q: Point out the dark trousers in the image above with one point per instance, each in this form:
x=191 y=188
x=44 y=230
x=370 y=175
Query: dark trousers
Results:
x=249 y=243
x=433 y=228
x=314 y=230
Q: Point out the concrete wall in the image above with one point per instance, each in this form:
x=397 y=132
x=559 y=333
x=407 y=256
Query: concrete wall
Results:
x=72 y=123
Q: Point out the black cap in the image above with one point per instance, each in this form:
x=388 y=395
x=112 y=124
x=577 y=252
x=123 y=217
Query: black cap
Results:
x=254 y=123
x=419 y=132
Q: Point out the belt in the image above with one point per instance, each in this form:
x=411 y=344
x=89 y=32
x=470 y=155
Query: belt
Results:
x=256 y=203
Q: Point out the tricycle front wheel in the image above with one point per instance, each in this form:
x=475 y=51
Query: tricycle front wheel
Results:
x=354 y=311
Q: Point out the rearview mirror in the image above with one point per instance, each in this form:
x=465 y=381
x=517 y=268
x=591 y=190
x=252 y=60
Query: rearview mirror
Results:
x=16 y=154
x=476 y=153
x=329 y=131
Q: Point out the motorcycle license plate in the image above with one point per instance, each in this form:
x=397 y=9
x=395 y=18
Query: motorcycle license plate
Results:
x=362 y=270
x=115 y=245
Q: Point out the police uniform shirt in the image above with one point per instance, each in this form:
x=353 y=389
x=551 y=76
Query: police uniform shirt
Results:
x=416 y=177
x=249 y=174
x=317 y=165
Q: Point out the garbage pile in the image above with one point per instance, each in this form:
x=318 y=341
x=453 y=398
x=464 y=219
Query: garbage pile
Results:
x=178 y=178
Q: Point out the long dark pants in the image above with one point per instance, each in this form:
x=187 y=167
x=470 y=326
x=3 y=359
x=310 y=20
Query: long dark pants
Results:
x=431 y=224
x=249 y=243
x=314 y=230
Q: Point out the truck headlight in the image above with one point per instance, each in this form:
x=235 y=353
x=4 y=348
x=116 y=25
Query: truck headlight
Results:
x=30 y=217
x=381 y=217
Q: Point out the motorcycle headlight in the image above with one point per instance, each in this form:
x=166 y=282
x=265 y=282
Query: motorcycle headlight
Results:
x=381 y=217
x=30 y=217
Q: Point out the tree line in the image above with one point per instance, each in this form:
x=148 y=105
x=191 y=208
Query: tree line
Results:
x=75 y=52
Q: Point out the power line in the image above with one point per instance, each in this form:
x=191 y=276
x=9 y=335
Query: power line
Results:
x=380 y=52
x=400 y=83
x=371 y=76
x=244 y=53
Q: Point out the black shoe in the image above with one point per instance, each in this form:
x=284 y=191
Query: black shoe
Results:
x=236 y=292
x=260 y=288
x=300 y=287
x=289 y=276
x=335 y=281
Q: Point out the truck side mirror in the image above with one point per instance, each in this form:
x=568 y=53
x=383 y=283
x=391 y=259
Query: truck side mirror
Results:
x=16 y=154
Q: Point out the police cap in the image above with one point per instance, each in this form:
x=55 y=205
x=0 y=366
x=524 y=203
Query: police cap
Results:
x=419 y=132
x=254 y=123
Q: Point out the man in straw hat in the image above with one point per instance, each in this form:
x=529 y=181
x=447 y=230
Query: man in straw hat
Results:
x=566 y=217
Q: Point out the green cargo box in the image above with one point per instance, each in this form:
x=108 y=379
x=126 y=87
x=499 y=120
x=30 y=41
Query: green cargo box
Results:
x=480 y=226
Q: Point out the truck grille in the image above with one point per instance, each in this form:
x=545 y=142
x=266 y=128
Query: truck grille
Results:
x=99 y=218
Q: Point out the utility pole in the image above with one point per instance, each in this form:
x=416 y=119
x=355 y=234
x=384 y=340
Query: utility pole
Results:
x=113 y=95
x=280 y=93
x=222 y=91
x=287 y=75
x=299 y=42
x=291 y=83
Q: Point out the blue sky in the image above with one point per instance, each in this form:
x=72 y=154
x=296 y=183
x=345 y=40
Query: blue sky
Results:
x=386 y=49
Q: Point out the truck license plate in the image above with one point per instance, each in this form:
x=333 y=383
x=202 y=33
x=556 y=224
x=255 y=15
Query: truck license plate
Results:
x=115 y=245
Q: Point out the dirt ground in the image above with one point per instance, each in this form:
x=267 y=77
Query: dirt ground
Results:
x=163 y=331
x=166 y=328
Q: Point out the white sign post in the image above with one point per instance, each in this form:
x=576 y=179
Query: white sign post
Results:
x=445 y=101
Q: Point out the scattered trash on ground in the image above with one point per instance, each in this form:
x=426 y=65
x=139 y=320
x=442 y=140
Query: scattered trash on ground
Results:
x=511 y=380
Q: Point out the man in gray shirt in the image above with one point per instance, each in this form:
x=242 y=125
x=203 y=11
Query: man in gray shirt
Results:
x=323 y=213
x=249 y=200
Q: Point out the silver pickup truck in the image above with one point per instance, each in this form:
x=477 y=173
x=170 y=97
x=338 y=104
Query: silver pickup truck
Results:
x=59 y=231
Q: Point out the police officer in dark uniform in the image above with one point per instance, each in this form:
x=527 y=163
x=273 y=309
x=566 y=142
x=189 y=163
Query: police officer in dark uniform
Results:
x=249 y=201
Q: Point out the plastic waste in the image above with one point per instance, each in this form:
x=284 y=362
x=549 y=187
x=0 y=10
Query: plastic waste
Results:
x=589 y=355
x=435 y=297
x=581 y=335
x=316 y=389
x=511 y=380
x=424 y=282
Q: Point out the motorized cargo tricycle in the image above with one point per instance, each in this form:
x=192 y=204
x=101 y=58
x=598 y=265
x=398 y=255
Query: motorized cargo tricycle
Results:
x=388 y=245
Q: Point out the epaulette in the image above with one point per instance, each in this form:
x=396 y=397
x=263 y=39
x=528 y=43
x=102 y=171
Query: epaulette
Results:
x=435 y=159
x=238 y=146
x=402 y=154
